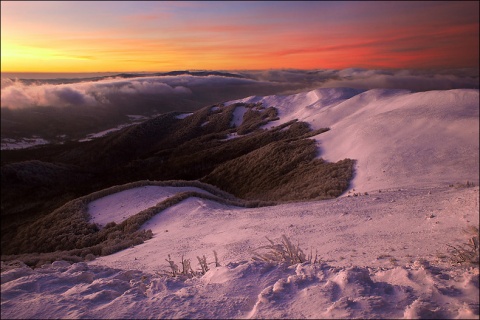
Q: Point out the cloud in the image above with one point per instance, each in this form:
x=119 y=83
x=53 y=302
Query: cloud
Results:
x=66 y=95
x=18 y=94
x=358 y=78
x=402 y=79
x=145 y=85
x=208 y=89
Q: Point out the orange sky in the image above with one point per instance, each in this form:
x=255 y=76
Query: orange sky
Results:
x=117 y=36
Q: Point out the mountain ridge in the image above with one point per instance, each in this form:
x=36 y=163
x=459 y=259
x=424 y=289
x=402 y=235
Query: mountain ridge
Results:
x=168 y=147
x=312 y=145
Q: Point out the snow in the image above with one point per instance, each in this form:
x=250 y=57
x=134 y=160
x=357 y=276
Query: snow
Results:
x=384 y=253
x=122 y=205
x=398 y=138
x=238 y=116
x=231 y=136
x=135 y=118
x=337 y=228
x=12 y=144
x=304 y=105
x=183 y=115
x=104 y=133
x=22 y=143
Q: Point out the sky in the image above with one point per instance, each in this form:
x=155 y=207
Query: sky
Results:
x=113 y=36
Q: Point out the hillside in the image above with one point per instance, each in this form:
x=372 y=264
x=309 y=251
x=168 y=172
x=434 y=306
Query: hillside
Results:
x=376 y=183
x=171 y=146
x=398 y=138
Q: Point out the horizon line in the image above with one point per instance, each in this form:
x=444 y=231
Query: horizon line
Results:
x=229 y=70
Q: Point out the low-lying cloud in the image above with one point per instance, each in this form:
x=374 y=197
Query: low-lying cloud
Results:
x=208 y=89
x=17 y=94
x=403 y=79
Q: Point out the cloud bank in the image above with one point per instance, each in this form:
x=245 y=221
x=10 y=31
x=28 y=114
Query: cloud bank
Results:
x=404 y=79
x=17 y=94
x=206 y=89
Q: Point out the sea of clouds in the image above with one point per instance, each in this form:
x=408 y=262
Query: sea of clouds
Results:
x=103 y=91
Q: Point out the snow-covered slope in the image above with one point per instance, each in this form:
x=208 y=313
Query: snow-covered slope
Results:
x=384 y=253
x=398 y=138
x=121 y=205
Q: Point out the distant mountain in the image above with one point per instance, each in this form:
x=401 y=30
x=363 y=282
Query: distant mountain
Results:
x=128 y=75
x=179 y=73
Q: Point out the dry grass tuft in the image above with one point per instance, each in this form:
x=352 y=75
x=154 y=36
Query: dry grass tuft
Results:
x=460 y=185
x=467 y=253
x=285 y=251
x=186 y=270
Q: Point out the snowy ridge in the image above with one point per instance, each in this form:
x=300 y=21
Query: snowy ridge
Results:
x=124 y=204
x=398 y=138
x=383 y=246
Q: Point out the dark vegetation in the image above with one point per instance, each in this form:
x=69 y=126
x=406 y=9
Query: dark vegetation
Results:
x=46 y=190
x=53 y=123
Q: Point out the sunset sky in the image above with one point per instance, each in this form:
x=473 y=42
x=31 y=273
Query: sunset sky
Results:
x=117 y=36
